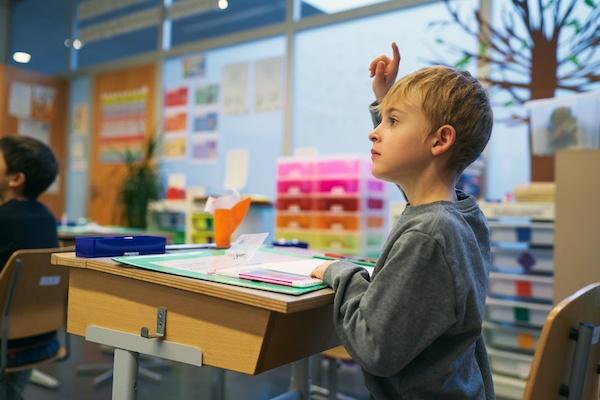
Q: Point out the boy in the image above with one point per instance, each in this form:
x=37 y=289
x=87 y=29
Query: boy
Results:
x=27 y=168
x=415 y=325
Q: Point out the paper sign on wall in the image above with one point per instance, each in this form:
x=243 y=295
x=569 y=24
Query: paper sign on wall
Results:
x=267 y=84
x=235 y=88
x=19 y=104
x=236 y=169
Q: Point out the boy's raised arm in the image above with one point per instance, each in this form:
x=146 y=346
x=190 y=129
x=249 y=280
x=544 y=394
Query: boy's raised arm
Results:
x=384 y=70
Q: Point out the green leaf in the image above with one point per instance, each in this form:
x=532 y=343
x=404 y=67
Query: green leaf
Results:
x=508 y=103
x=524 y=44
x=548 y=4
x=439 y=40
x=575 y=24
x=463 y=62
x=590 y=3
x=574 y=60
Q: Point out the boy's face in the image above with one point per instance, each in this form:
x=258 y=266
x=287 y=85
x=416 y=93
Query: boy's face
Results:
x=3 y=177
x=9 y=183
x=400 y=149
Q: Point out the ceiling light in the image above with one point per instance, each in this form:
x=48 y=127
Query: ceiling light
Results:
x=223 y=4
x=77 y=44
x=21 y=57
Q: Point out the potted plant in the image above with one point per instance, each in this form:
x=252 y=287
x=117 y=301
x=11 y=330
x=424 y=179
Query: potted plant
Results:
x=141 y=184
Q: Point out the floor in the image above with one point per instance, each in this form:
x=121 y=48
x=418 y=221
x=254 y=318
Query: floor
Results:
x=180 y=381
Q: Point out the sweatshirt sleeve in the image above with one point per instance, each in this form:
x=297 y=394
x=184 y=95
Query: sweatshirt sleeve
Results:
x=386 y=322
x=375 y=116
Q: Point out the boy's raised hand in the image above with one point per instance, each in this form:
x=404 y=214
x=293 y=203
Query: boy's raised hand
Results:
x=384 y=70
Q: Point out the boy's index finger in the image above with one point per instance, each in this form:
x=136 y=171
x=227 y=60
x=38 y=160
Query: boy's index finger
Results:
x=396 y=54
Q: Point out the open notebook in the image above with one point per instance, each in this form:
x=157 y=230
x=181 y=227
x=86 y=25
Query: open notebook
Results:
x=269 y=269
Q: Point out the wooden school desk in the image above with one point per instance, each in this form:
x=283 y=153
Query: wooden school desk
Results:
x=207 y=323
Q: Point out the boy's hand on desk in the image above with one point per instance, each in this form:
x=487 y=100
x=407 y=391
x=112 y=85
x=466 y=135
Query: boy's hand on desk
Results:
x=384 y=72
x=320 y=270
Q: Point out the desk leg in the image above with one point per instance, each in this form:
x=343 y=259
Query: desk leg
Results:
x=125 y=375
x=300 y=381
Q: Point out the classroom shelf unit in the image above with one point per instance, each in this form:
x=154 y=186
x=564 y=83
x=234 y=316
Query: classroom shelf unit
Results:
x=520 y=297
x=332 y=203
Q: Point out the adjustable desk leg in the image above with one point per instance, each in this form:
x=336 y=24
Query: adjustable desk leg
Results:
x=300 y=381
x=125 y=375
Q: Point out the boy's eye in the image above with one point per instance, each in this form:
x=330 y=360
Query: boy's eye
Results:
x=393 y=121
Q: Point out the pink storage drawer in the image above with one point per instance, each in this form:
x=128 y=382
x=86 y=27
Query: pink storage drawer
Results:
x=343 y=166
x=340 y=186
x=295 y=169
x=294 y=187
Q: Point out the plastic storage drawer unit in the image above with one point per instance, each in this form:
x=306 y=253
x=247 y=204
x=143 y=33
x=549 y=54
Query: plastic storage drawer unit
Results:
x=512 y=338
x=523 y=259
x=510 y=364
x=518 y=312
x=528 y=287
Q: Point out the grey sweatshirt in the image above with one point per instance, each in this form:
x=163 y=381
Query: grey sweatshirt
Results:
x=415 y=326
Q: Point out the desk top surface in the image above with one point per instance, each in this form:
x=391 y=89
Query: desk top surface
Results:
x=258 y=298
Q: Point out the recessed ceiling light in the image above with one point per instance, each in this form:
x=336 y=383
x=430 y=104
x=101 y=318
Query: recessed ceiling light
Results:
x=77 y=44
x=21 y=57
x=223 y=4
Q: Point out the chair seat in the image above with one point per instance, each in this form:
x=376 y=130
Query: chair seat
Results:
x=338 y=353
x=62 y=353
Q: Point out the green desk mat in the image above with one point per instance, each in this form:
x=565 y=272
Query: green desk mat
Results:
x=147 y=262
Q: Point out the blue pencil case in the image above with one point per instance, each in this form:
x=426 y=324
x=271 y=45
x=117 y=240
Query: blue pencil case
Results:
x=113 y=246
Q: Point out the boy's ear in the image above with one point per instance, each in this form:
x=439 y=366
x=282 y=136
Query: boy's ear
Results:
x=16 y=180
x=443 y=139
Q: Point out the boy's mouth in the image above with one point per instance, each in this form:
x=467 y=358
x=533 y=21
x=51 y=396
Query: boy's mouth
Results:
x=375 y=153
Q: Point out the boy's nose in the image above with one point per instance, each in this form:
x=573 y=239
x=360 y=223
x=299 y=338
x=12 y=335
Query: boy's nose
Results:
x=374 y=136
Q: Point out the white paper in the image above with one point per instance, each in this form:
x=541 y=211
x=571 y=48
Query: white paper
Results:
x=176 y=181
x=235 y=88
x=267 y=84
x=244 y=248
x=236 y=169
x=36 y=129
x=20 y=100
x=223 y=202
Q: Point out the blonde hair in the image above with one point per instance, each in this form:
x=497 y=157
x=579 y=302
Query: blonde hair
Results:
x=449 y=96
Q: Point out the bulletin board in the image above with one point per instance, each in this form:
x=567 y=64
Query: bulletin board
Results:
x=35 y=105
x=123 y=118
x=222 y=101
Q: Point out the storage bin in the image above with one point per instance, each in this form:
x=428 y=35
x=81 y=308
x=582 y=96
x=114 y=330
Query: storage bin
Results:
x=528 y=287
x=518 y=312
x=203 y=237
x=375 y=221
x=294 y=204
x=290 y=235
x=508 y=388
x=337 y=221
x=294 y=187
x=343 y=166
x=347 y=203
x=295 y=168
x=540 y=234
x=344 y=243
x=523 y=259
x=293 y=220
x=511 y=364
x=347 y=185
x=202 y=221
x=512 y=338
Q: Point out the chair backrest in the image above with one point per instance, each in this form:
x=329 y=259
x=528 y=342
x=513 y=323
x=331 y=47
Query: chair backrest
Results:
x=33 y=293
x=553 y=355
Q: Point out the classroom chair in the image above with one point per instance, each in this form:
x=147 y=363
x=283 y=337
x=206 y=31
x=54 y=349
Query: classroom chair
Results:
x=33 y=299
x=566 y=363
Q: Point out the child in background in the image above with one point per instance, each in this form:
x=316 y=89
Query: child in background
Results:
x=415 y=326
x=27 y=169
